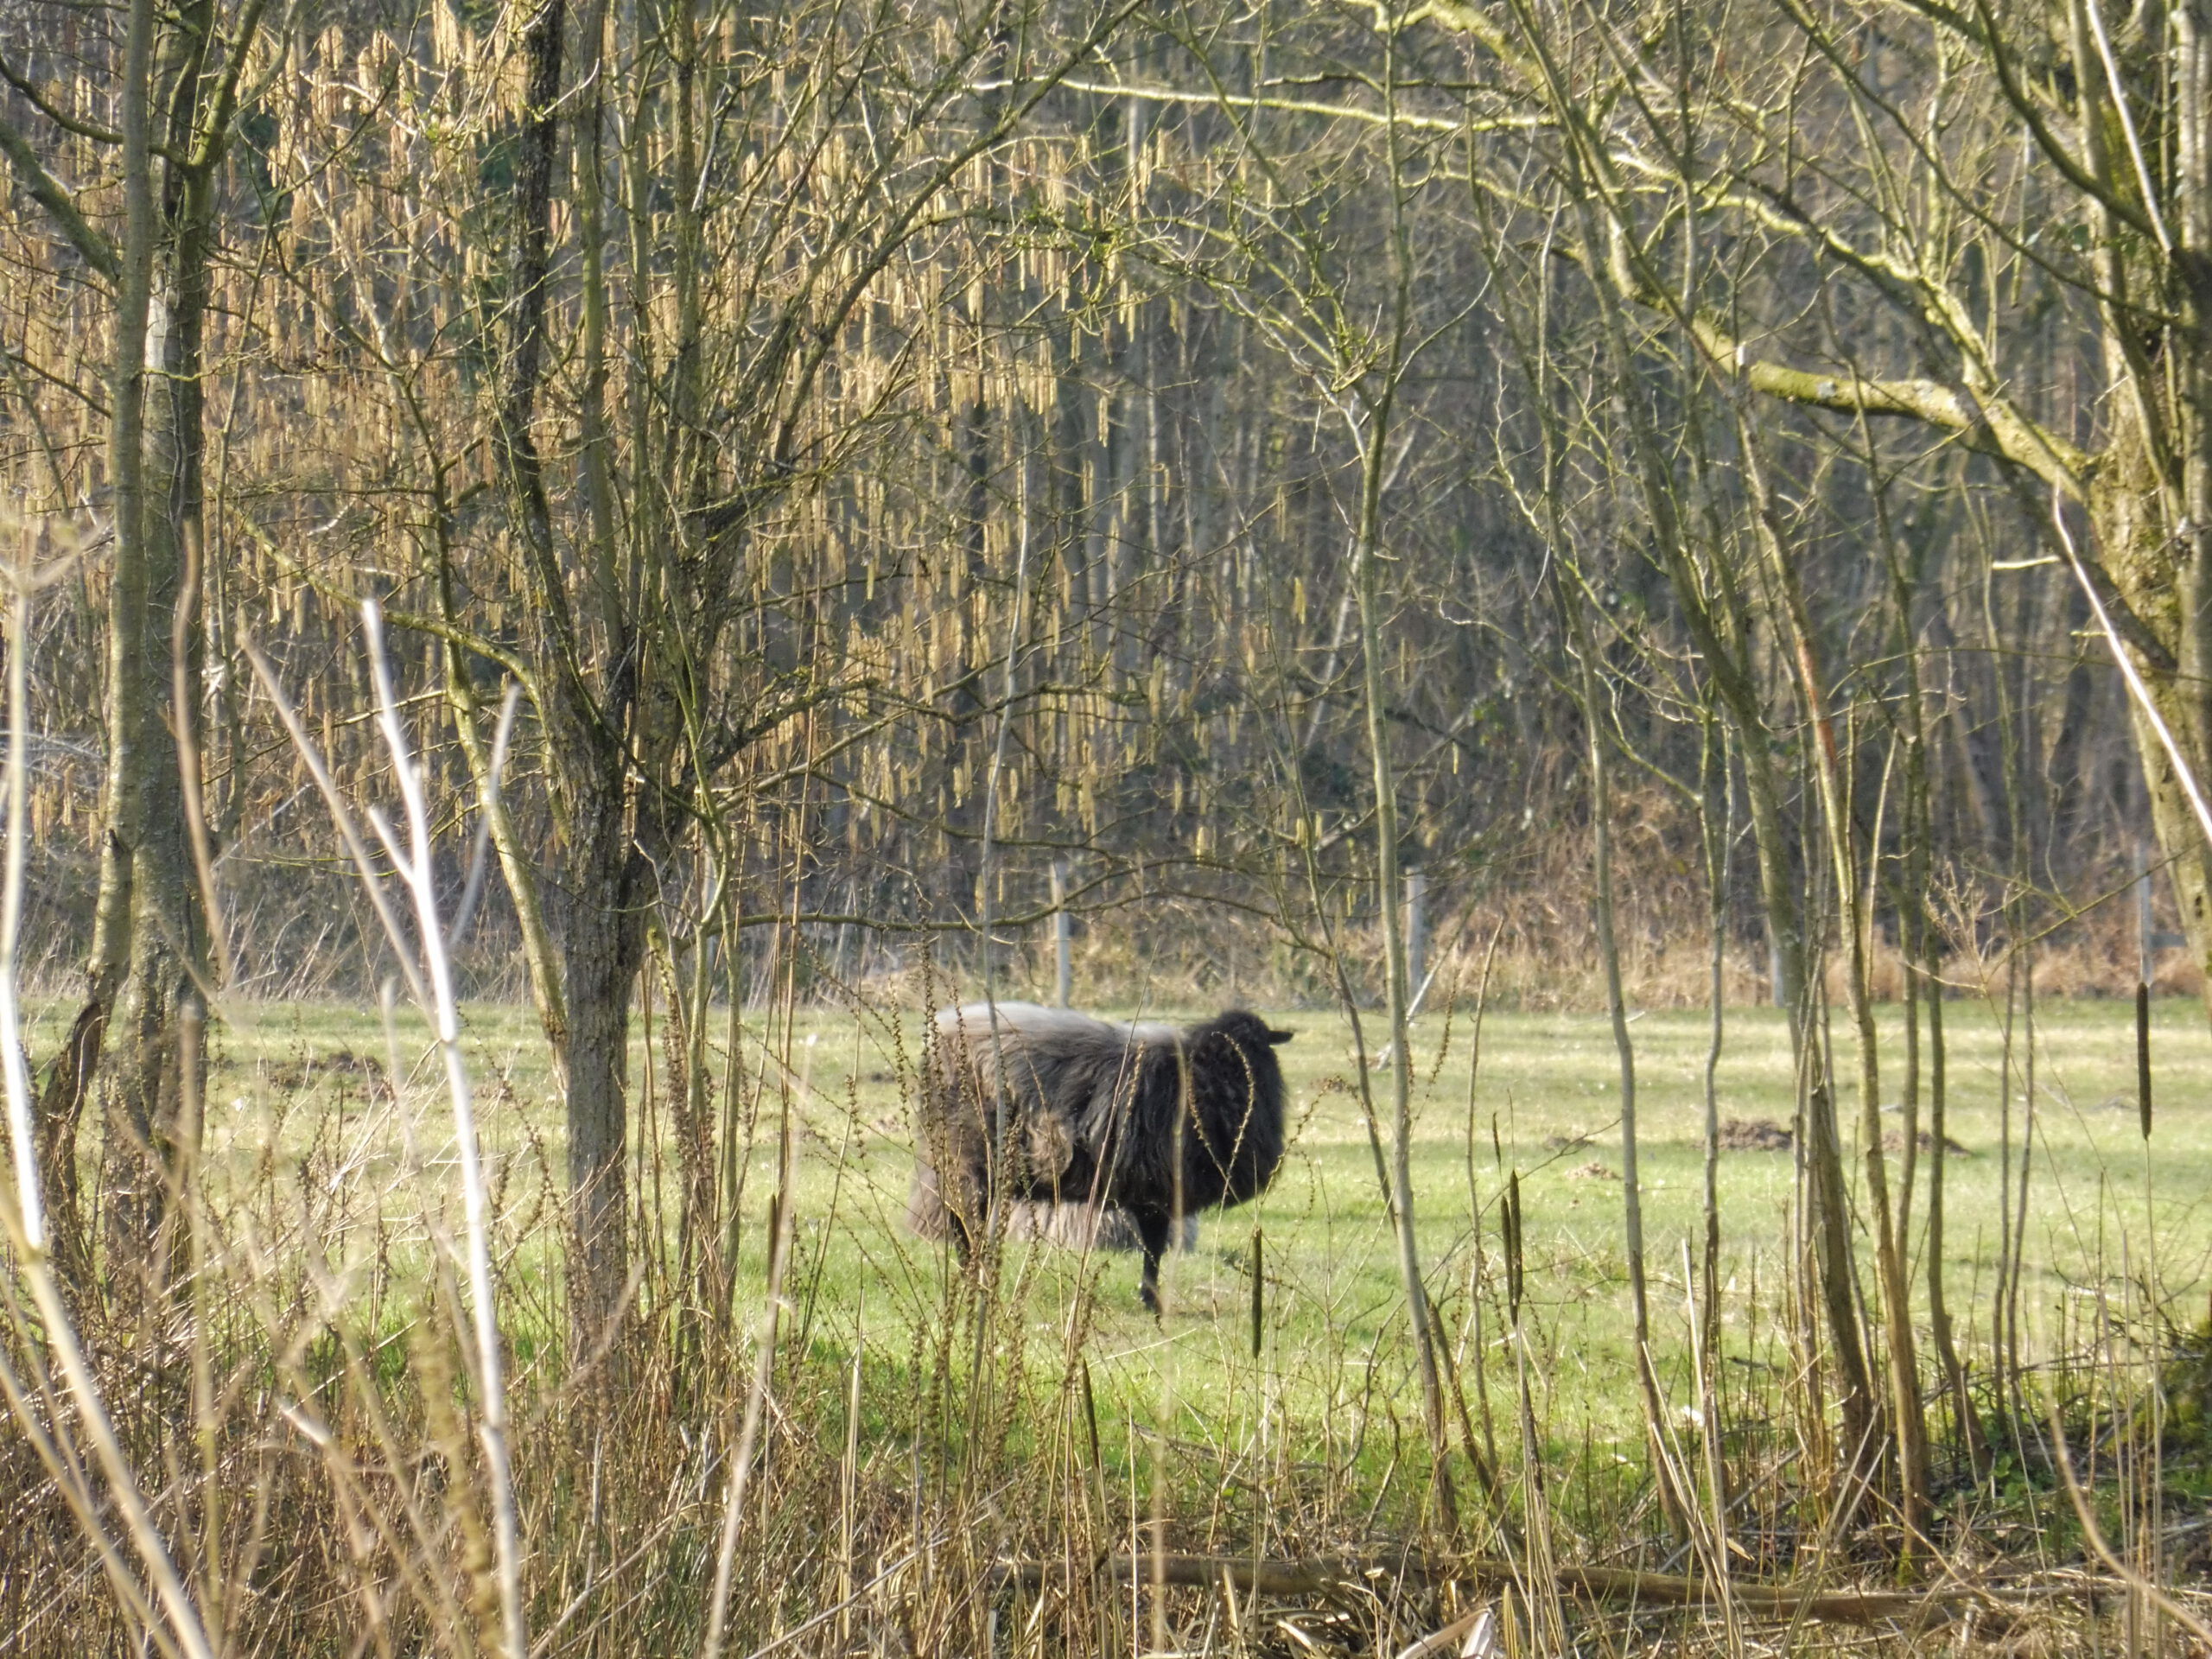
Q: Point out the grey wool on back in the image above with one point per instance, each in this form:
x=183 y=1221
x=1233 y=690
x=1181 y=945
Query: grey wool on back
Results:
x=1068 y=1110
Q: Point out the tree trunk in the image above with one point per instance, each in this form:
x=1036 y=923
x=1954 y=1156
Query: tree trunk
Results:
x=1834 y=1270
x=602 y=945
x=1717 y=825
x=75 y=1072
x=2129 y=529
x=149 y=939
x=1678 y=1502
x=1713 y=607
x=1907 y=1428
x=601 y=949
x=168 y=944
x=1367 y=582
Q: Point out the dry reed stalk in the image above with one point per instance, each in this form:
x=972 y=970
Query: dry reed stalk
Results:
x=755 y=1401
x=435 y=995
x=415 y=868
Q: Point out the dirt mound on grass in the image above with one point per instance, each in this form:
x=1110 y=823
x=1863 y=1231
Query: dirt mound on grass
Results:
x=1893 y=1141
x=1765 y=1134
x=301 y=1072
x=1754 y=1135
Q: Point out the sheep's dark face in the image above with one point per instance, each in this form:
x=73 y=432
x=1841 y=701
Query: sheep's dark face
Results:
x=1248 y=1030
x=1237 y=1105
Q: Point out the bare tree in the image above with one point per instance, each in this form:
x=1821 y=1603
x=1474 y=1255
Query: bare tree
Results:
x=176 y=80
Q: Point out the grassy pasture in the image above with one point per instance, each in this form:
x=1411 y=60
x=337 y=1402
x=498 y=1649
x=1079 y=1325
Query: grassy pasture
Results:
x=296 y=1094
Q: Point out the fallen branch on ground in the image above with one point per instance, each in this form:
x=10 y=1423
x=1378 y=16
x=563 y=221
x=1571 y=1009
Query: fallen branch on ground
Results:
x=1328 y=1574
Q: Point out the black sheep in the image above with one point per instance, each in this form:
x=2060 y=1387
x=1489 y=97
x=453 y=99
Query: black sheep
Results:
x=1090 y=1111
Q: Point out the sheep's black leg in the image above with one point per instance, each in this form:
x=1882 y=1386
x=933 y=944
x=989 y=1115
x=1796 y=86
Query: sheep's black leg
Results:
x=1152 y=1234
x=964 y=1243
x=964 y=1235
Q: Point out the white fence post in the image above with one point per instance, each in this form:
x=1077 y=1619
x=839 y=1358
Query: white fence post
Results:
x=1062 y=948
x=1416 y=929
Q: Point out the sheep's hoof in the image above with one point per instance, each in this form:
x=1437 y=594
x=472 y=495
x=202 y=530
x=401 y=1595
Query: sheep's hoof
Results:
x=1150 y=1298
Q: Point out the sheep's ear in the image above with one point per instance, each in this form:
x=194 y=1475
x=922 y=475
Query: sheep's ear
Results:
x=1277 y=1038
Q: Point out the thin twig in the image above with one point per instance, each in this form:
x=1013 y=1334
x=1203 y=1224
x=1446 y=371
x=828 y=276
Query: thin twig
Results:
x=416 y=870
x=478 y=856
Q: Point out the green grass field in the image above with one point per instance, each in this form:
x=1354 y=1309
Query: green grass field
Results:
x=1054 y=1423
x=290 y=1099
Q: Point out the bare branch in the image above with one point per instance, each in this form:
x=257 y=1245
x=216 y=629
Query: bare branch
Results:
x=61 y=205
